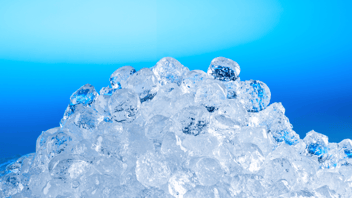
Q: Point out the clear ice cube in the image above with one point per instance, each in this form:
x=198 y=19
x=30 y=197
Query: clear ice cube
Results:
x=169 y=70
x=144 y=83
x=224 y=69
x=124 y=105
x=118 y=79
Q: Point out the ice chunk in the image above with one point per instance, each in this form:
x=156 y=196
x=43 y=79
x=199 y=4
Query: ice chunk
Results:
x=280 y=187
x=254 y=95
x=249 y=157
x=346 y=146
x=274 y=119
x=83 y=121
x=156 y=127
x=224 y=69
x=101 y=101
x=325 y=192
x=152 y=170
x=208 y=171
x=193 y=79
x=70 y=167
x=247 y=185
x=180 y=183
x=119 y=78
x=124 y=105
x=233 y=88
x=169 y=70
x=144 y=83
x=317 y=144
x=193 y=120
x=57 y=143
x=210 y=94
x=84 y=96
x=280 y=168
x=257 y=136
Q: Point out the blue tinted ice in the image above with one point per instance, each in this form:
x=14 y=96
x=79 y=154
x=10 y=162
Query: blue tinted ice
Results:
x=317 y=144
x=288 y=136
x=254 y=94
x=83 y=96
x=192 y=120
x=224 y=69
x=170 y=132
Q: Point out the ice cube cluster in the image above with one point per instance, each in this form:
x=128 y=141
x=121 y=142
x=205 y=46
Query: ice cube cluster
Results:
x=166 y=131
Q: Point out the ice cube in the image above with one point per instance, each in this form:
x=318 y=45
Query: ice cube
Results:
x=169 y=70
x=124 y=105
x=224 y=69
x=119 y=78
x=144 y=83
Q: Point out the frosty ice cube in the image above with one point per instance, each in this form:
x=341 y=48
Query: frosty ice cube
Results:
x=124 y=105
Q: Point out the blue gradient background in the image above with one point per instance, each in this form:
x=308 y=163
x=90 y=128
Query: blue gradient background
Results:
x=48 y=49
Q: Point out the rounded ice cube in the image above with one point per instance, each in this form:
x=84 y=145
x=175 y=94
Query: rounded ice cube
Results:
x=210 y=94
x=193 y=120
x=224 y=69
x=254 y=95
x=144 y=83
x=169 y=70
x=193 y=79
x=124 y=105
x=317 y=143
x=84 y=95
x=119 y=78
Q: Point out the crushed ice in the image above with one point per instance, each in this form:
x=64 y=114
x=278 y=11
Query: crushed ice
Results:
x=167 y=131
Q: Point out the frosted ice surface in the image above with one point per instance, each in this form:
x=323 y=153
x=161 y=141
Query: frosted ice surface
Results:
x=208 y=171
x=180 y=183
x=152 y=170
x=169 y=70
x=119 y=78
x=249 y=157
x=124 y=105
x=210 y=94
x=169 y=132
x=144 y=83
x=224 y=69
x=193 y=79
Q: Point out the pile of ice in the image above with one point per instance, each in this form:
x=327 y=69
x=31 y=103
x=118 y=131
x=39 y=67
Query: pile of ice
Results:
x=171 y=132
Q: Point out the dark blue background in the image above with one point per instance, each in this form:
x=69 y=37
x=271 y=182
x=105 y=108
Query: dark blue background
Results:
x=301 y=50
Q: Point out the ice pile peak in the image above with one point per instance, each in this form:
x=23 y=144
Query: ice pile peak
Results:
x=166 y=131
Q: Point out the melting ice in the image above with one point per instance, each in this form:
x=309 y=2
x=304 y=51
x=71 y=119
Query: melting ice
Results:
x=166 y=131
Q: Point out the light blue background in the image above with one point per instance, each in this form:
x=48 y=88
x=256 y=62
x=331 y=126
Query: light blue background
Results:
x=48 y=49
